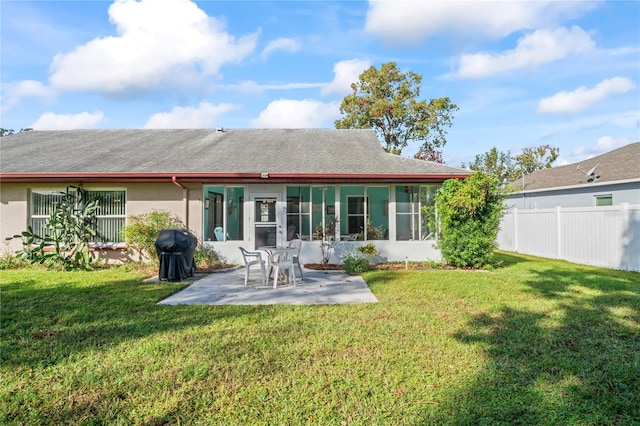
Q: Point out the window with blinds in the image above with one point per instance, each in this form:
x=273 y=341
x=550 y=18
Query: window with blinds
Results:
x=111 y=214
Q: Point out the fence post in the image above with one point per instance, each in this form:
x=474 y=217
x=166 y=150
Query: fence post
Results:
x=559 y=233
x=515 y=230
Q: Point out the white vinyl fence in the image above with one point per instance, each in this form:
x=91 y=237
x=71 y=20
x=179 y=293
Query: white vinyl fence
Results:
x=602 y=236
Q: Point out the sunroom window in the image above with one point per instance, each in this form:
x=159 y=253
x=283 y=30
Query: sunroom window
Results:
x=111 y=215
x=298 y=212
x=414 y=204
x=365 y=212
x=223 y=213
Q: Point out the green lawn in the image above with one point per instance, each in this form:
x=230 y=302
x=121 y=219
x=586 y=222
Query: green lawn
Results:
x=532 y=342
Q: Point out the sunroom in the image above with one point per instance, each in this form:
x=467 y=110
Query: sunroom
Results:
x=391 y=217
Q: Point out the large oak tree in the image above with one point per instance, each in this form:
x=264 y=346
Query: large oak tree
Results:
x=387 y=100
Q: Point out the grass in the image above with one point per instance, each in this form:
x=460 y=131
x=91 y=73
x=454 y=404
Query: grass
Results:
x=531 y=342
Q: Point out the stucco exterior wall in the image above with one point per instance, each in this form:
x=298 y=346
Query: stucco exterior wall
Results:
x=141 y=198
x=14 y=213
x=187 y=204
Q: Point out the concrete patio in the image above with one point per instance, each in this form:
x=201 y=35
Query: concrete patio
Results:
x=317 y=288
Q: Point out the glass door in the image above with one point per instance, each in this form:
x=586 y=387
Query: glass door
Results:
x=265 y=221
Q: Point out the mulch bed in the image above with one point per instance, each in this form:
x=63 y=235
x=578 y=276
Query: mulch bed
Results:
x=385 y=266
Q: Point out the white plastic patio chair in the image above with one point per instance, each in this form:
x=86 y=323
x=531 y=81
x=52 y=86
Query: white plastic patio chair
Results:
x=252 y=258
x=297 y=244
x=282 y=259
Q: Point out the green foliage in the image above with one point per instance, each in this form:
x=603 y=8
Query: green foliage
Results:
x=10 y=261
x=387 y=100
x=495 y=163
x=469 y=212
x=536 y=158
x=69 y=230
x=355 y=263
x=207 y=258
x=368 y=249
x=507 y=168
x=141 y=231
x=8 y=132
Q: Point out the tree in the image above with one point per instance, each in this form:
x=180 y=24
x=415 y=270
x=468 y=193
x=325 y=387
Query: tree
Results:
x=429 y=154
x=7 y=132
x=469 y=212
x=507 y=168
x=386 y=100
x=495 y=163
x=536 y=158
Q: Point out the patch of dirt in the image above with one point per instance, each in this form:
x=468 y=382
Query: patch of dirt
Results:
x=321 y=267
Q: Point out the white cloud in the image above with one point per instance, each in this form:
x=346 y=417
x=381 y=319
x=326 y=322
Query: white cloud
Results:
x=413 y=21
x=583 y=97
x=16 y=91
x=297 y=114
x=537 y=48
x=604 y=144
x=286 y=44
x=157 y=42
x=345 y=73
x=52 y=121
x=205 y=115
x=248 y=87
x=292 y=86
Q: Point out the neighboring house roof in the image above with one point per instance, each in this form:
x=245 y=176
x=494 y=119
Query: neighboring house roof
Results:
x=619 y=165
x=208 y=155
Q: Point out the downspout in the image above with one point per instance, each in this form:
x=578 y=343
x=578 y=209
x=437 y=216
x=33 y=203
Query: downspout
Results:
x=185 y=196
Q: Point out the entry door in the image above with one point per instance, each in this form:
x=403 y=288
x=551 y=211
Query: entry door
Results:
x=266 y=221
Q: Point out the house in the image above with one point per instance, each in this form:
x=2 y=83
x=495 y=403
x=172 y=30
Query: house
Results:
x=608 y=179
x=231 y=187
x=588 y=212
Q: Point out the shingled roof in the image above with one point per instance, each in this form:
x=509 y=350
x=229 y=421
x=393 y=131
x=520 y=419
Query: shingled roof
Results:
x=622 y=164
x=202 y=154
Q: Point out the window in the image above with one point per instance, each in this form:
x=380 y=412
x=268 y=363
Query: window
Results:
x=414 y=204
x=223 y=213
x=365 y=213
x=604 y=200
x=298 y=212
x=355 y=214
x=111 y=215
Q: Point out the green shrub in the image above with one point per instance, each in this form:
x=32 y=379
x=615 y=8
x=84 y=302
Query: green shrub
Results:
x=67 y=233
x=10 y=261
x=141 y=231
x=368 y=249
x=208 y=258
x=355 y=263
x=469 y=212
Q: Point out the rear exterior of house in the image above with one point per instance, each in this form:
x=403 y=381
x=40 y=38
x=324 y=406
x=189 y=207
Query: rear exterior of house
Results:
x=232 y=188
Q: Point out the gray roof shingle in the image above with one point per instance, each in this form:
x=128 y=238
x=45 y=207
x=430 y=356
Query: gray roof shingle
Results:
x=617 y=165
x=206 y=151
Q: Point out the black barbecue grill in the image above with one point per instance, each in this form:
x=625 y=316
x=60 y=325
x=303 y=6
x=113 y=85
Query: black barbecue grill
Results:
x=176 y=249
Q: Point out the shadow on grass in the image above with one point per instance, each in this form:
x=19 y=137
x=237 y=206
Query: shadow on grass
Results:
x=42 y=325
x=572 y=358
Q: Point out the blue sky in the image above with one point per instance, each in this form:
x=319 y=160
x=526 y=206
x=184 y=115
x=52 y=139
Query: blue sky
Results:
x=523 y=73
